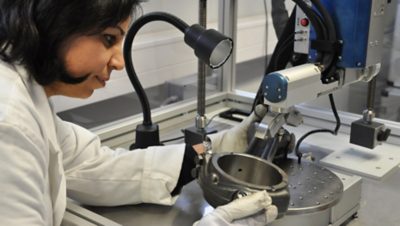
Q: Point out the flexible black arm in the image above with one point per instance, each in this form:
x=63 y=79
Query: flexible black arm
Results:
x=127 y=51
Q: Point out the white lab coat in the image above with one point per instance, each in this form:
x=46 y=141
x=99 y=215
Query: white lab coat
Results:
x=43 y=159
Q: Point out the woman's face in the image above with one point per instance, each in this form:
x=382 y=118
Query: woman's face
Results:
x=93 y=55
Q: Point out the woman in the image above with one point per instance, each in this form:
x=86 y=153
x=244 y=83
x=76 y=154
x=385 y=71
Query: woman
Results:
x=69 y=48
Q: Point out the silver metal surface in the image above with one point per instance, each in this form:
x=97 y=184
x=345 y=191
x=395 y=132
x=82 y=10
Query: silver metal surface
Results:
x=368 y=73
x=320 y=218
x=376 y=32
x=273 y=122
x=75 y=215
x=201 y=121
x=312 y=188
x=251 y=171
x=70 y=219
x=189 y=208
x=270 y=125
x=225 y=176
x=349 y=204
x=294 y=117
x=368 y=115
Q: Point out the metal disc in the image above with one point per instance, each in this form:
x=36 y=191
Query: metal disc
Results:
x=312 y=188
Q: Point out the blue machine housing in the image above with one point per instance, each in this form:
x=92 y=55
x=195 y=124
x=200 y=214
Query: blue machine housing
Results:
x=352 y=21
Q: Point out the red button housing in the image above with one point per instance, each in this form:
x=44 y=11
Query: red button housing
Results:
x=304 y=22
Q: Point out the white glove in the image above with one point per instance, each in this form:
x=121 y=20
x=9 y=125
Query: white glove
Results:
x=255 y=209
x=235 y=138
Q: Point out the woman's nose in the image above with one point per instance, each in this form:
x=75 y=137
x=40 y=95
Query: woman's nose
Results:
x=117 y=61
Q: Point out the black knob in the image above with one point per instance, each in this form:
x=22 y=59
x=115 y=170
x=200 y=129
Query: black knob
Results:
x=383 y=135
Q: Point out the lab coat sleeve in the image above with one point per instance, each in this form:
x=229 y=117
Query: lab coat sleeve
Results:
x=23 y=178
x=100 y=176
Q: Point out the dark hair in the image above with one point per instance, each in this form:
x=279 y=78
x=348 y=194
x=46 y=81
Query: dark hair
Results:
x=32 y=31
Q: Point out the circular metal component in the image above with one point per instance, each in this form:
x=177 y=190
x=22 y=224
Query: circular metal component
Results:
x=250 y=171
x=215 y=178
x=368 y=115
x=312 y=188
x=239 y=175
x=201 y=121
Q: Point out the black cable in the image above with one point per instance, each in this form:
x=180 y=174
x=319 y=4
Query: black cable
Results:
x=289 y=28
x=321 y=57
x=329 y=61
x=279 y=16
x=333 y=132
x=335 y=113
x=287 y=44
x=297 y=151
x=172 y=139
x=325 y=30
x=288 y=31
x=211 y=119
x=327 y=19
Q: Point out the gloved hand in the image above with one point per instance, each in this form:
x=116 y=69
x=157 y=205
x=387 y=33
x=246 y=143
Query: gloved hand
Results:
x=235 y=138
x=255 y=209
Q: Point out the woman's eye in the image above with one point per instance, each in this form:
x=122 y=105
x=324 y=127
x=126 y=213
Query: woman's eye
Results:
x=109 y=39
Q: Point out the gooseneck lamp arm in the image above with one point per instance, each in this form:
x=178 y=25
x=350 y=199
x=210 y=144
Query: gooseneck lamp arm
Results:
x=210 y=46
x=139 y=23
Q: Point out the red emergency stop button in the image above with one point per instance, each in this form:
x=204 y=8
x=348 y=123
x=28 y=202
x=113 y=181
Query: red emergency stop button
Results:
x=304 y=22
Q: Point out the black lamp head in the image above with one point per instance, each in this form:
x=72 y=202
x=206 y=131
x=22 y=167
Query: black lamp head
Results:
x=210 y=46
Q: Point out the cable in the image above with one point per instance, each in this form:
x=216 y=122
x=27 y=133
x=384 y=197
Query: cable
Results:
x=172 y=139
x=211 y=119
x=335 y=113
x=328 y=61
x=289 y=28
x=287 y=44
x=333 y=132
x=327 y=18
x=284 y=56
